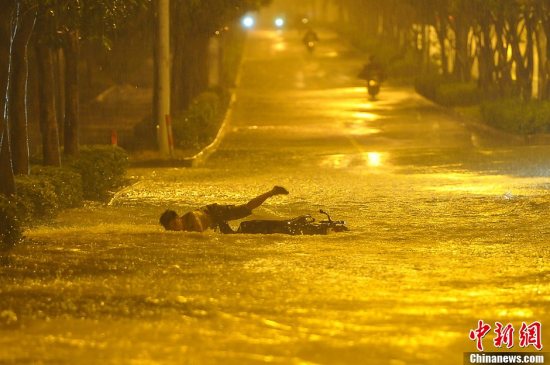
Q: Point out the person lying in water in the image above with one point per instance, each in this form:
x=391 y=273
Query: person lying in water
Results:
x=215 y=215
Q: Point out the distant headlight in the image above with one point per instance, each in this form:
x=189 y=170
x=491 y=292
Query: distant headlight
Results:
x=248 y=21
x=279 y=22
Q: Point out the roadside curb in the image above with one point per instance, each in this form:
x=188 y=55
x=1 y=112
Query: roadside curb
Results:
x=538 y=139
x=124 y=190
x=199 y=158
x=182 y=162
x=480 y=126
x=530 y=139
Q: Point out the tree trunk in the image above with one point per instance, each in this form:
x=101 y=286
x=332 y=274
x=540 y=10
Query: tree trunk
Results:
x=5 y=8
x=7 y=181
x=324 y=11
x=503 y=67
x=59 y=82
x=17 y=92
x=441 y=30
x=461 y=68
x=530 y=56
x=178 y=54
x=486 y=56
x=546 y=69
x=46 y=102
x=426 y=59
x=522 y=71
x=341 y=16
x=444 y=57
x=541 y=72
x=71 y=125
x=155 y=101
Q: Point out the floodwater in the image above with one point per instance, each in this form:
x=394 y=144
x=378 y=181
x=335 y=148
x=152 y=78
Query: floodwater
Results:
x=448 y=225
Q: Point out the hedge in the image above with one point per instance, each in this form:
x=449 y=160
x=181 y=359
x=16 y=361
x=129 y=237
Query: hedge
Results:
x=93 y=175
x=199 y=124
x=103 y=170
x=11 y=229
x=193 y=128
x=458 y=94
x=446 y=92
x=36 y=198
x=427 y=85
x=513 y=115
x=67 y=184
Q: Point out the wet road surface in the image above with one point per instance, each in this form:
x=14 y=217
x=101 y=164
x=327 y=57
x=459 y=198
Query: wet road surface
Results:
x=449 y=225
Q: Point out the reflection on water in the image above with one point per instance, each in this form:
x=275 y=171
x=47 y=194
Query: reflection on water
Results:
x=280 y=45
x=374 y=159
x=363 y=159
x=365 y=115
x=357 y=128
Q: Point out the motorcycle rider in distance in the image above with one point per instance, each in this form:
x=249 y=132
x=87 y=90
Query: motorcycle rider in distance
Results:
x=309 y=39
x=373 y=72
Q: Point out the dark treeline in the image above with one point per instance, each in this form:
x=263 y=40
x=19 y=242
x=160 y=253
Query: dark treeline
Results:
x=497 y=42
x=51 y=51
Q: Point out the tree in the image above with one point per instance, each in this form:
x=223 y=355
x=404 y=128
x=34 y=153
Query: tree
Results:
x=7 y=182
x=23 y=23
x=195 y=22
x=543 y=8
x=46 y=98
x=62 y=23
x=71 y=51
x=70 y=22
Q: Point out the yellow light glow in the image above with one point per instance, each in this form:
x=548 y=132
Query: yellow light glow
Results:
x=366 y=116
x=279 y=22
x=341 y=161
x=358 y=128
x=248 y=21
x=279 y=46
x=335 y=161
x=374 y=159
x=365 y=105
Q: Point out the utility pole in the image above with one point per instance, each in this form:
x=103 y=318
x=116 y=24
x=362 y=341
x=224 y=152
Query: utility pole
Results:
x=163 y=75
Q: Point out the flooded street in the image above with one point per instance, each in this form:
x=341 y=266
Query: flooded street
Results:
x=448 y=225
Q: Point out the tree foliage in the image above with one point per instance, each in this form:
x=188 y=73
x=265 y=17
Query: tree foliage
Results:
x=499 y=37
x=194 y=22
